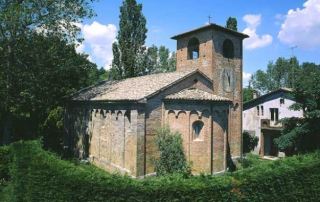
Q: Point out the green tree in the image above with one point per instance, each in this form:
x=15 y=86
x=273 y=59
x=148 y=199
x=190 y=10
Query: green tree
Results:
x=249 y=142
x=116 y=71
x=172 y=62
x=37 y=66
x=280 y=74
x=130 y=41
x=156 y=60
x=159 y=60
x=151 y=59
x=247 y=94
x=49 y=71
x=302 y=135
x=232 y=24
x=163 y=58
x=172 y=158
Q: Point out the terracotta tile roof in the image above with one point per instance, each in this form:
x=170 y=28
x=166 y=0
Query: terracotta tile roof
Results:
x=195 y=94
x=135 y=88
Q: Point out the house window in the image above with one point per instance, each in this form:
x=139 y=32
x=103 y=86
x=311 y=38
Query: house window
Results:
x=193 y=49
x=281 y=101
x=197 y=127
x=274 y=112
x=228 y=50
x=258 y=110
x=262 y=112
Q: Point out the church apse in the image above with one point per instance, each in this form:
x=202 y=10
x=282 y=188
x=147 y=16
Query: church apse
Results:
x=203 y=131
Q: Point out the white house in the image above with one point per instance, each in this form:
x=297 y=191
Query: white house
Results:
x=261 y=118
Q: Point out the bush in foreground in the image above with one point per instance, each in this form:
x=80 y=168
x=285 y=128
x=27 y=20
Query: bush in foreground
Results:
x=172 y=158
x=4 y=166
x=37 y=175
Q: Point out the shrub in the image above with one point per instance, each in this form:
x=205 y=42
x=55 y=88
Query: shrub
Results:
x=252 y=160
x=172 y=158
x=38 y=175
x=249 y=142
x=4 y=166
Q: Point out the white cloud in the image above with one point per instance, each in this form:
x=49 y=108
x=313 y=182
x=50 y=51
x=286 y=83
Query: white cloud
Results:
x=255 y=41
x=98 y=39
x=245 y=78
x=301 y=27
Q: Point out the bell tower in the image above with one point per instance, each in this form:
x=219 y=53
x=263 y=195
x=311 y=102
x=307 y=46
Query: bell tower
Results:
x=217 y=52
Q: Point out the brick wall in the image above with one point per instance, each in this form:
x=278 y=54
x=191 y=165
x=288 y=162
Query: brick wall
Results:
x=112 y=136
x=155 y=114
x=212 y=62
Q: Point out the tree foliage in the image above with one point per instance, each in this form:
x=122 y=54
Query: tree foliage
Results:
x=38 y=62
x=21 y=18
x=172 y=158
x=247 y=94
x=280 y=74
x=130 y=41
x=302 y=135
x=157 y=60
x=249 y=142
x=232 y=24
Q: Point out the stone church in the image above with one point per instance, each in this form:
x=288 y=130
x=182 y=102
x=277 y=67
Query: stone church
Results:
x=114 y=123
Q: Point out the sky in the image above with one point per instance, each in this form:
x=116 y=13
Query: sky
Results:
x=277 y=28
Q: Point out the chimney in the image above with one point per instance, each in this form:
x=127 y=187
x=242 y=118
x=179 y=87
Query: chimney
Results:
x=255 y=94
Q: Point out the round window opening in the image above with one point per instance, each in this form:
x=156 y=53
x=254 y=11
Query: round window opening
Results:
x=197 y=127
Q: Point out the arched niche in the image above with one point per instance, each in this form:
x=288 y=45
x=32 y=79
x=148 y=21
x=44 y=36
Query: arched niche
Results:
x=193 y=48
x=228 y=49
x=197 y=130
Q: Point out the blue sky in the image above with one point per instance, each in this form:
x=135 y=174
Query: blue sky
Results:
x=274 y=27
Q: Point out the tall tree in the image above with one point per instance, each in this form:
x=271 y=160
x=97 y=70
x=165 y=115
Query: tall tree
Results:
x=163 y=58
x=152 y=59
x=280 y=74
x=232 y=24
x=130 y=40
x=159 y=60
x=32 y=55
x=172 y=62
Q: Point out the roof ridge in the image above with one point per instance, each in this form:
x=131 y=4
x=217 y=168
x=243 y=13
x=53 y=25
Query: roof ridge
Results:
x=288 y=90
x=211 y=25
x=159 y=73
x=174 y=82
x=204 y=95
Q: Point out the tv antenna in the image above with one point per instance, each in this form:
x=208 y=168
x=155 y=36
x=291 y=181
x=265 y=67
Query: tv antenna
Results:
x=292 y=50
x=209 y=17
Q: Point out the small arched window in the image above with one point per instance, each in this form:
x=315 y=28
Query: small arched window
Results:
x=196 y=129
x=193 y=49
x=228 y=49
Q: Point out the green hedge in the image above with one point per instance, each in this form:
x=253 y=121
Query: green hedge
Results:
x=4 y=166
x=41 y=176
